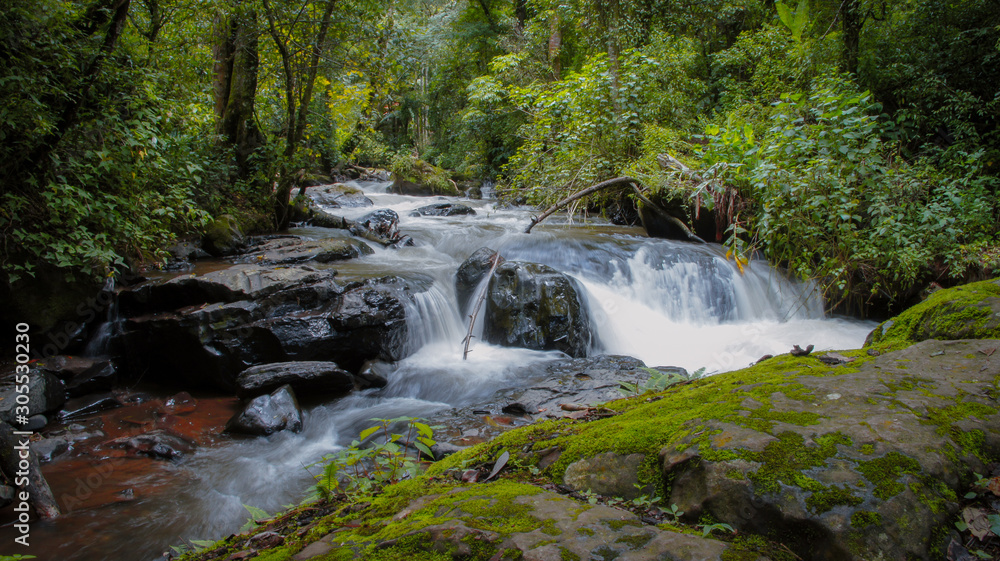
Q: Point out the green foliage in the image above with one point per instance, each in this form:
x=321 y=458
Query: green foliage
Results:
x=796 y=21
x=587 y=127
x=832 y=200
x=363 y=467
x=657 y=381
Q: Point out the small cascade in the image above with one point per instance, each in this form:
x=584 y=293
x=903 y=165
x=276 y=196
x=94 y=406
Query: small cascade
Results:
x=107 y=330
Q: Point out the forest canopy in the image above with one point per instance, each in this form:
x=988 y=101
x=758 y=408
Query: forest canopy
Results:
x=853 y=142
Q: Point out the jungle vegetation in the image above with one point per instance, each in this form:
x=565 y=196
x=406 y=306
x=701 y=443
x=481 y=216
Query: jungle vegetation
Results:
x=854 y=142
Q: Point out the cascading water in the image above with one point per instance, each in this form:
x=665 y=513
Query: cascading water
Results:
x=667 y=303
x=100 y=342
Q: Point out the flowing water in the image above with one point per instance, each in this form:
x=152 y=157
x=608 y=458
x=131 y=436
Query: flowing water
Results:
x=665 y=302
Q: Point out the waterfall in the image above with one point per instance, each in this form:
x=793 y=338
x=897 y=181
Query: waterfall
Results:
x=100 y=341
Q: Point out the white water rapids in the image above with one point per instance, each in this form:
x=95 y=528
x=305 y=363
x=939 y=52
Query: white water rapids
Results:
x=665 y=302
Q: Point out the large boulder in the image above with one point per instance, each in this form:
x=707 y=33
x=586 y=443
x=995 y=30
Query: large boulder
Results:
x=472 y=272
x=291 y=250
x=81 y=375
x=383 y=222
x=418 y=178
x=970 y=311
x=267 y=414
x=204 y=330
x=223 y=236
x=867 y=459
x=339 y=196
x=536 y=307
x=444 y=209
x=313 y=378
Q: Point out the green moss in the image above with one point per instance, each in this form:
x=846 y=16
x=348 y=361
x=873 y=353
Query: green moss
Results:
x=885 y=472
x=865 y=518
x=635 y=541
x=567 y=555
x=753 y=547
x=549 y=527
x=825 y=499
x=585 y=531
x=962 y=312
x=735 y=474
x=785 y=459
x=867 y=449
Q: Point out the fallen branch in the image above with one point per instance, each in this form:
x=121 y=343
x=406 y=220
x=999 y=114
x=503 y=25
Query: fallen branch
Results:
x=578 y=195
x=666 y=215
x=479 y=303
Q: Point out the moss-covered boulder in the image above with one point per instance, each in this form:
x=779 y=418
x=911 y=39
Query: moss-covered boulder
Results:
x=971 y=311
x=339 y=195
x=865 y=460
x=223 y=236
x=536 y=307
x=416 y=177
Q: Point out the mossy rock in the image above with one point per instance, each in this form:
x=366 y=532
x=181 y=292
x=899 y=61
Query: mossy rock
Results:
x=434 y=519
x=419 y=178
x=223 y=236
x=971 y=311
x=797 y=449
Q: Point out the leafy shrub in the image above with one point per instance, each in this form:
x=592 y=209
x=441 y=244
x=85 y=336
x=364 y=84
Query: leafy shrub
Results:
x=361 y=469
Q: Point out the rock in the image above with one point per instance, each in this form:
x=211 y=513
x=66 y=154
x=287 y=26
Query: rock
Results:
x=867 y=462
x=186 y=251
x=383 y=223
x=7 y=494
x=223 y=236
x=308 y=378
x=470 y=273
x=267 y=414
x=36 y=422
x=541 y=390
x=536 y=307
x=46 y=393
x=444 y=209
x=339 y=196
x=50 y=448
x=608 y=474
x=519 y=522
x=88 y=405
x=374 y=374
x=157 y=444
x=418 y=178
x=657 y=226
x=971 y=311
x=286 y=251
x=82 y=375
x=262 y=316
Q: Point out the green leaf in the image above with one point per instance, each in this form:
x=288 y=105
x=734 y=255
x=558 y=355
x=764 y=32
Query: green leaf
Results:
x=369 y=431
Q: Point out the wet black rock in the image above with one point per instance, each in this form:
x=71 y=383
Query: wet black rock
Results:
x=223 y=236
x=158 y=444
x=82 y=375
x=383 y=222
x=374 y=374
x=444 y=209
x=536 y=307
x=311 y=378
x=470 y=273
x=46 y=393
x=88 y=405
x=267 y=414
x=226 y=321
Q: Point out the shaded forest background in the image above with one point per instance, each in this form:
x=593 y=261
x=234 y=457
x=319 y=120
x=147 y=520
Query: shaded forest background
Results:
x=853 y=142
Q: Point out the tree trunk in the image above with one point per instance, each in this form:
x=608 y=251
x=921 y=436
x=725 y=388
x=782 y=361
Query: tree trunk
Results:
x=555 y=45
x=851 y=22
x=236 y=67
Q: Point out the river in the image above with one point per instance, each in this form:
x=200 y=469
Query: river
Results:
x=665 y=302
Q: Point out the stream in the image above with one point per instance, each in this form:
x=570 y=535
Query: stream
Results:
x=664 y=302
